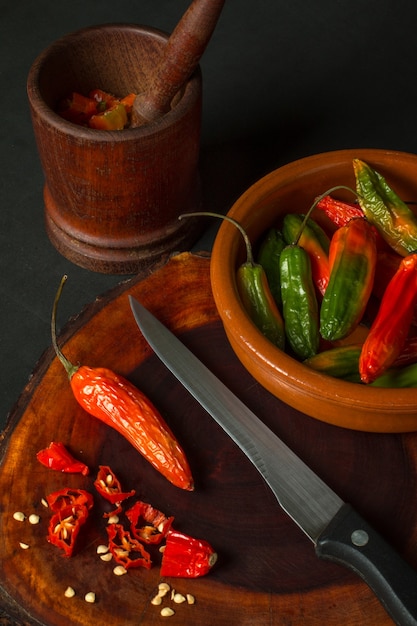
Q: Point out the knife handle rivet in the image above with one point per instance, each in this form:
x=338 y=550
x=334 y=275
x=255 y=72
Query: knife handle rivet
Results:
x=359 y=538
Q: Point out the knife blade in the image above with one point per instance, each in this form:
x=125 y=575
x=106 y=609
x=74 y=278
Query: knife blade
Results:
x=337 y=531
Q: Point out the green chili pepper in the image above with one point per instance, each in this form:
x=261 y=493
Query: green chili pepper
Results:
x=352 y=268
x=340 y=362
x=314 y=240
x=299 y=301
x=259 y=303
x=396 y=223
x=268 y=256
x=398 y=378
x=254 y=290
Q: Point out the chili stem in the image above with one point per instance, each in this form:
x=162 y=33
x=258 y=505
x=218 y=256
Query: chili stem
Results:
x=315 y=203
x=69 y=367
x=249 y=255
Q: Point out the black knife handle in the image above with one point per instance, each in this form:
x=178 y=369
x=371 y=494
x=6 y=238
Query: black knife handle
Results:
x=351 y=541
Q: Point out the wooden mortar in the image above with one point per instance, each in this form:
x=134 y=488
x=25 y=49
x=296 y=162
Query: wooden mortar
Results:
x=112 y=198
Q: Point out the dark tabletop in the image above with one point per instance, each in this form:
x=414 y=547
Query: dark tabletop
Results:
x=282 y=80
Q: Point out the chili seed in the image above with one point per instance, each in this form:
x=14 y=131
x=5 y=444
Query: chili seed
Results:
x=178 y=598
x=163 y=589
x=34 y=519
x=109 y=479
x=44 y=503
x=113 y=519
x=69 y=592
x=156 y=600
x=119 y=570
x=19 y=516
x=24 y=546
x=167 y=611
x=90 y=597
x=190 y=598
x=102 y=549
x=106 y=557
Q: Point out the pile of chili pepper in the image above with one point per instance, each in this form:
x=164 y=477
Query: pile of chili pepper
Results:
x=359 y=275
x=142 y=525
x=99 y=110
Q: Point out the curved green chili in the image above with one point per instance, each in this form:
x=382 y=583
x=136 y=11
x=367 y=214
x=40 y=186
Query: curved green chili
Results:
x=254 y=290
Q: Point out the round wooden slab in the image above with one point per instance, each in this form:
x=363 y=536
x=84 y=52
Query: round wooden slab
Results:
x=267 y=571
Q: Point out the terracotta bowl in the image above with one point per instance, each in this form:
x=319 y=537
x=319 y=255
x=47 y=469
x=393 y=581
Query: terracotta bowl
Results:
x=292 y=188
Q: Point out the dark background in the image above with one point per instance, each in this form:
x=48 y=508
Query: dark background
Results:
x=282 y=80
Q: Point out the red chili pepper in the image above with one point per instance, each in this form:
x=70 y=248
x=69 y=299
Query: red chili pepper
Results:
x=127 y=550
x=338 y=211
x=64 y=527
x=108 y=486
x=186 y=557
x=119 y=404
x=147 y=523
x=390 y=328
x=69 y=497
x=57 y=457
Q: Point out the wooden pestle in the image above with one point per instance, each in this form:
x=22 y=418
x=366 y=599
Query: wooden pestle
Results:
x=180 y=58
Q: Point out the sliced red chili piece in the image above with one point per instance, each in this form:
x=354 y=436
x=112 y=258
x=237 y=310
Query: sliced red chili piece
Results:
x=57 y=457
x=147 y=523
x=127 y=550
x=69 y=497
x=109 y=486
x=64 y=527
x=186 y=557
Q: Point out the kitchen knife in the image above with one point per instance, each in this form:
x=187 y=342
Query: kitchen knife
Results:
x=337 y=531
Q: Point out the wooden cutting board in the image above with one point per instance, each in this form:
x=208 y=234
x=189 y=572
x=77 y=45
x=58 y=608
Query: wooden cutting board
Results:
x=267 y=571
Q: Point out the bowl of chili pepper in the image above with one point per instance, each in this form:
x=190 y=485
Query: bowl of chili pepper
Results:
x=314 y=275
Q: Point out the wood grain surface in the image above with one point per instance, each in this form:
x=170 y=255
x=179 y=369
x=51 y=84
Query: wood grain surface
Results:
x=267 y=572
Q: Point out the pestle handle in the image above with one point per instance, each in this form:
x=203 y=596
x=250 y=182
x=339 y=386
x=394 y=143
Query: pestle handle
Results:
x=181 y=57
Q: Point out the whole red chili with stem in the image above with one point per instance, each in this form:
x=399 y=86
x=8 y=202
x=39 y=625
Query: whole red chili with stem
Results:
x=119 y=404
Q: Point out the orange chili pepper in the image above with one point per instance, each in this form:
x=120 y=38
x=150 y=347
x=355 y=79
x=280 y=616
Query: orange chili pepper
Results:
x=119 y=404
x=390 y=328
